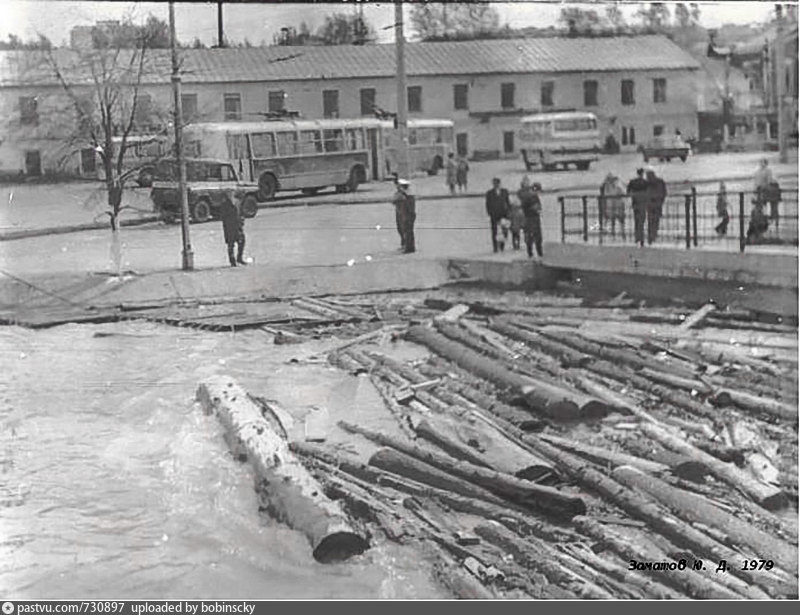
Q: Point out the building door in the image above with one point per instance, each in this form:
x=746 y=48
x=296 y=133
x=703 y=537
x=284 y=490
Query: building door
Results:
x=462 y=144
x=33 y=163
x=508 y=142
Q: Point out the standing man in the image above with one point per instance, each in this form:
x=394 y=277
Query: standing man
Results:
x=497 y=208
x=763 y=179
x=406 y=214
x=532 y=209
x=656 y=194
x=462 y=170
x=637 y=190
x=233 y=230
x=451 y=170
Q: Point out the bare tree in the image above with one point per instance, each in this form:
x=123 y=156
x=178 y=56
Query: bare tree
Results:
x=654 y=15
x=456 y=21
x=103 y=87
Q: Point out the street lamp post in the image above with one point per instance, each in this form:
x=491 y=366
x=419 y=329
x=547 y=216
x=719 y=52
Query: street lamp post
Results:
x=402 y=101
x=780 y=76
x=187 y=254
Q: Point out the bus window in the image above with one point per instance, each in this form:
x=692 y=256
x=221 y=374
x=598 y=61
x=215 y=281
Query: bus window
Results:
x=575 y=125
x=263 y=144
x=287 y=143
x=237 y=147
x=193 y=149
x=440 y=135
x=447 y=135
x=355 y=139
x=334 y=141
x=310 y=142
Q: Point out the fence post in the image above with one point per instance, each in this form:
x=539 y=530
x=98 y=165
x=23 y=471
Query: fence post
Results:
x=563 y=219
x=584 y=200
x=742 y=238
x=694 y=215
x=600 y=209
x=687 y=206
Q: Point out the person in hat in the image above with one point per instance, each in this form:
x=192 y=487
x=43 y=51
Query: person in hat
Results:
x=656 y=195
x=497 y=208
x=637 y=190
x=405 y=215
x=528 y=196
x=612 y=205
x=233 y=231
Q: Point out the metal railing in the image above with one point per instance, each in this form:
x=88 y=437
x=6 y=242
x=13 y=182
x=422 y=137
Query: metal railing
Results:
x=689 y=219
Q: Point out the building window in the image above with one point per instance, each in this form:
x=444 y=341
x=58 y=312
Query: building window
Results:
x=461 y=96
x=627 y=92
x=624 y=135
x=658 y=130
x=189 y=107
x=548 y=92
x=367 y=101
x=462 y=143
x=508 y=142
x=276 y=101
x=659 y=90
x=590 y=93
x=330 y=103
x=29 y=110
x=414 y=98
x=507 y=95
x=233 y=107
x=631 y=136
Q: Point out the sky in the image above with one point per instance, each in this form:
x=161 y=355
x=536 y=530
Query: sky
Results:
x=258 y=20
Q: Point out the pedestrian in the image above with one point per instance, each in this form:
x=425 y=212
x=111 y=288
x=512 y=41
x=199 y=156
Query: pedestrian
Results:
x=722 y=210
x=502 y=233
x=637 y=190
x=656 y=194
x=528 y=196
x=497 y=208
x=517 y=219
x=405 y=215
x=612 y=203
x=462 y=170
x=233 y=231
x=451 y=169
x=772 y=195
x=762 y=180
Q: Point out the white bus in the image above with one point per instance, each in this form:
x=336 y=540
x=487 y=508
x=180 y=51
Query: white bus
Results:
x=550 y=139
x=430 y=141
x=298 y=154
x=142 y=152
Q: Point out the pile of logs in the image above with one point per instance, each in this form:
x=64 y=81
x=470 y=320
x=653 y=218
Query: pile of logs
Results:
x=559 y=450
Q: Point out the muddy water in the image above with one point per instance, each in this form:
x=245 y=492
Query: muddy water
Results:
x=114 y=485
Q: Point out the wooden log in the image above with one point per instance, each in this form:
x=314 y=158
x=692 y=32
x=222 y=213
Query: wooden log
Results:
x=543 y=499
x=547 y=398
x=693 y=584
x=453 y=313
x=535 y=555
x=294 y=496
x=768 y=496
x=687 y=384
x=564 y=354
x=458 y=581
x=753 y=403
x=697 y=509
x=605 y=457
x=697 y=317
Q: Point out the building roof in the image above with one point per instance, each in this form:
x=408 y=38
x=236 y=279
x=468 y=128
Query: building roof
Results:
x=533 y=55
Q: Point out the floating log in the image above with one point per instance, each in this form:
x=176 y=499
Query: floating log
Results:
x=541 y=498
x=692 y=583
x=687 y=384
x=566 y=355
x=549 y=399
x=697 y=317
x=294 y=496
x=768 y=496
x=753 y=403
x=697 y=509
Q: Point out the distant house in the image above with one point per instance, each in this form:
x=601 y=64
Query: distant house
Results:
x=638 y=86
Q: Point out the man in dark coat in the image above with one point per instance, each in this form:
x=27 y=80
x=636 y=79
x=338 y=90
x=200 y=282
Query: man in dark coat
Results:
x=233 y=229
x=637 y=190
x=405 y=215
x=656 y=194
x=497 y=208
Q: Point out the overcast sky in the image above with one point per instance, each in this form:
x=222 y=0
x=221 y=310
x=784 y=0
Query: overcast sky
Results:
x=259 y=21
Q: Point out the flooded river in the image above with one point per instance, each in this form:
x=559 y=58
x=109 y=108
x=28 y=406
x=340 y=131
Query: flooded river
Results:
x=113 y=484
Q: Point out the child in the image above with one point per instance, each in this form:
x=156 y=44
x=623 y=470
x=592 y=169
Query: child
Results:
x=502 y=233
x=517 y=219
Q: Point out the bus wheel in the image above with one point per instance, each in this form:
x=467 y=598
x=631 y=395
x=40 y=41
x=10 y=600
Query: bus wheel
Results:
x=683 y=158
x=356 y=175
x=267 y=187
x=583 y=165
x=201 y=211
x=145 y=179
x=249 y=206
x=437 y=164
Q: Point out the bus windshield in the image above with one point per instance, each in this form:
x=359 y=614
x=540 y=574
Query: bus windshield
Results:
x=576 y=124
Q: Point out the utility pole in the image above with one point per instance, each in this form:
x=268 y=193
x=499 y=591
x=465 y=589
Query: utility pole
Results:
x=780 y=71
x=187 y=254
x=220 y=33
x=402 y=100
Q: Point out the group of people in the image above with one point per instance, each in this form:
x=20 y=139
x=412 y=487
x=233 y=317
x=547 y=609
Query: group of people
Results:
x=456 y=173
x=647 y=193
x=515 y=216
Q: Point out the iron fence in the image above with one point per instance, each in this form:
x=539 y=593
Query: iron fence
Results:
x=689 y=219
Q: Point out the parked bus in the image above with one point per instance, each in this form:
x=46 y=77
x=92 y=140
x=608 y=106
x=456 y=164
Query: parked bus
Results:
x=142 y=152
x=284 y=155
x=430 y=141
x=550 y=139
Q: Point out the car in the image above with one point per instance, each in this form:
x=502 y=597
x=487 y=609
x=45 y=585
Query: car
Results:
x=210 y=183
x=665 y=148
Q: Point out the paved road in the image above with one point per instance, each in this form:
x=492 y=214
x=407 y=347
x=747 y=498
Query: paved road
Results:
x=322 y=234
